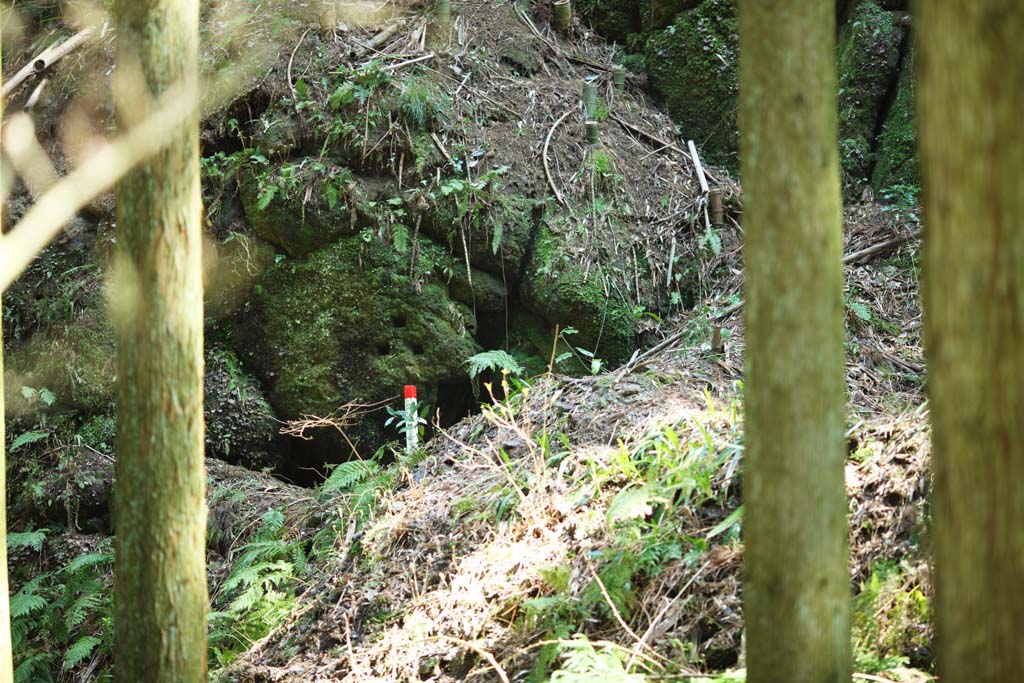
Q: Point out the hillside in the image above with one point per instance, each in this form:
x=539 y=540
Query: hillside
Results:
x=384 y=202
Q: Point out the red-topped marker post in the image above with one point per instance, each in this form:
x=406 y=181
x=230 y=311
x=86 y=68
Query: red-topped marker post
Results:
x=412 y=427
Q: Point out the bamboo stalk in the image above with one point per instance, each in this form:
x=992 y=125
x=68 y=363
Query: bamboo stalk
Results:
x=46 y=59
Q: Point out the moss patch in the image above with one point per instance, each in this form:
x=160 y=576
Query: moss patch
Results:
x=868 y=55
x=693 y=65
x=300 y=209
x=354 y=322
x=555 y=287
x=897 y=144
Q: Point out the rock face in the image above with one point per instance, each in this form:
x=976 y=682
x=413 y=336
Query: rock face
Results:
x=690 y=53
x=354 y=323
x=557 y=288
x=868 y=60
x=897 y=143
x=693 y=65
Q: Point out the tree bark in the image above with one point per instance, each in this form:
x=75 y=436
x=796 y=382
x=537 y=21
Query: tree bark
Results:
x=157 y=308
x=970 y=98
x=6 y=661
x=796 y=594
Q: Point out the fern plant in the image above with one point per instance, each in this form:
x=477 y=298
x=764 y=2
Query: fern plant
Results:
x=259 y=591
x=494 y=361
x=60 y=620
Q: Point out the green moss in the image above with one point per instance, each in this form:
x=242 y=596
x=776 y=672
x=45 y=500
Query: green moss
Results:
x=867 y=57
x=693 y=65
x=239 y=422
x=351 y=324
x=485 y=294
x=75 y=361
x=555 y=287
x=897 y=144
x=498 y=232
x=300 y=210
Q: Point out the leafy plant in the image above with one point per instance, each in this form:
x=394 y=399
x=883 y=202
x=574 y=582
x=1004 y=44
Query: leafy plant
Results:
x=259 y=592
x=496 y=360
x=581 y=663
x=62 y=618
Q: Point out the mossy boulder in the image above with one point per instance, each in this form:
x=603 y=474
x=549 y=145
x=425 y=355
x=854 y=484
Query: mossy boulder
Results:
x=240 y=423
x=496 y=231
x=479 y=290
x=75 y=361
x=693 y=65
x=354 y=322
x=558 y=288
x=897 y=143
x=868 y=59
x=299 y=208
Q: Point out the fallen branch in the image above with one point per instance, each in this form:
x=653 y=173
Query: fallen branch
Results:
x=547 y=167
x=847 y=260
x=46 y=59
x=881 y=246
x=416 y=60
x=341 y=419
x=699 y=166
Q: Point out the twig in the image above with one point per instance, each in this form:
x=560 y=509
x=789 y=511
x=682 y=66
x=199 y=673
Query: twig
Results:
x=547 y=168
x=870 y=677
x=440 y=147
x=657 y=617
x=33 y=99
x=291 y=85
x=46 y=59
x=618 y=617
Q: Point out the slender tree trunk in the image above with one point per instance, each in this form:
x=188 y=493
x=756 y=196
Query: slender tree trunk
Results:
x=6 y=663
x=796 y=595
x=157 y=307
x=971 y=98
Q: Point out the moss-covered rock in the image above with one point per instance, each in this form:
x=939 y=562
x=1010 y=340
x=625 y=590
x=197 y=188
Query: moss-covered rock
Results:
x=692 y=64
x=897 y=144
x=301 y=209
x=75 y=361
x=354 y=322
x=496 y=230
x=867 y=58
x=557 y=288
x=479 y=290
x=240 y=423
x=229 y=270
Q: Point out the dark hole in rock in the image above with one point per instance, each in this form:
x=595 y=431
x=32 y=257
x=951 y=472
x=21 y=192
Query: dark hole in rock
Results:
x=455 y=401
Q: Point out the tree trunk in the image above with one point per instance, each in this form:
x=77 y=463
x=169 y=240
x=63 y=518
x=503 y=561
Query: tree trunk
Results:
x=157 y=308
x=796 y=594
x=971 y=95
x=6 y=663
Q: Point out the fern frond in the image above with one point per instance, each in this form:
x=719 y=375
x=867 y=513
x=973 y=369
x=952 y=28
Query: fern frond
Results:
x=494 y=361
x=88 y=560
x=348 y=474
x=27 y=539
x=78 y=651
x=23 y=604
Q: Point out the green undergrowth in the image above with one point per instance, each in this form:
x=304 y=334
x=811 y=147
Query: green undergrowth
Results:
x=649 y=493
